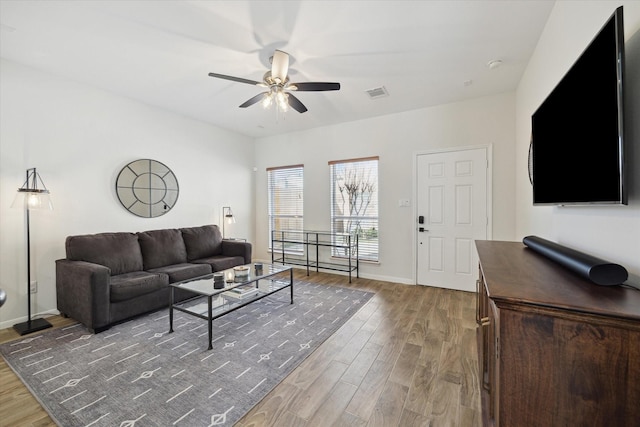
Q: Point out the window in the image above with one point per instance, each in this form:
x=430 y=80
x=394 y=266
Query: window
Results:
x=286 y=203
x=354 y=203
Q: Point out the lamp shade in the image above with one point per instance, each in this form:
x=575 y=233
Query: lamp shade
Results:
x=33 y=194
x=29 y=199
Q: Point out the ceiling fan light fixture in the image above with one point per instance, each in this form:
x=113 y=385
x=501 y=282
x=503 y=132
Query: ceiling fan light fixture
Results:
x=281 y=100
x=276 y=81
x=267 y=101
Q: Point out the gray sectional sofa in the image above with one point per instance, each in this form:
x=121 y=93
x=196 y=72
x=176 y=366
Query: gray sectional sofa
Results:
x=110 y=277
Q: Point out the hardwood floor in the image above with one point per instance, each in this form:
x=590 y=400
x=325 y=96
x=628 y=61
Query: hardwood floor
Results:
x=407 y=358
x=18 y=407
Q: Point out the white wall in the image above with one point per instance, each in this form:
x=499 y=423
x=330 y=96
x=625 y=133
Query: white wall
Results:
x=79 y=138
x=395 y=138
x=612 y=233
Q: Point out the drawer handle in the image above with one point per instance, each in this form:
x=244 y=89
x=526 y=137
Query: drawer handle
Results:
x=485 y=321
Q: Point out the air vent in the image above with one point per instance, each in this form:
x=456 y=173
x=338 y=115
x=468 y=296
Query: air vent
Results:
x=377 y=92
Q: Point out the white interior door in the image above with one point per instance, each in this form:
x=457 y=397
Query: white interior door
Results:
x=452 y=201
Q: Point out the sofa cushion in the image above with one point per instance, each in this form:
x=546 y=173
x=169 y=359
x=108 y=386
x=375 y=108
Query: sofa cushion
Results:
x=178 y=272
x=221 y=262
x=161 y=248
x=202 y=242
x=130 y=285
x=118 y=251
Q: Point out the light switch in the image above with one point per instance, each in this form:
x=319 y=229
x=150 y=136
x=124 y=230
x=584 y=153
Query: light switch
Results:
x=404 y=203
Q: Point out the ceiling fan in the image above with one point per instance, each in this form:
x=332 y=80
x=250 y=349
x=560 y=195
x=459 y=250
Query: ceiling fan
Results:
x=277 y=81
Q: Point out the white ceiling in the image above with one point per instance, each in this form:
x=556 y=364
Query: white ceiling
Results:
x=160 y=52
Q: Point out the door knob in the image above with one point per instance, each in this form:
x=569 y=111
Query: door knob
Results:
x=422 y=230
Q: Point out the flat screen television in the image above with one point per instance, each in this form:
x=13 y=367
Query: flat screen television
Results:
x=577 y=144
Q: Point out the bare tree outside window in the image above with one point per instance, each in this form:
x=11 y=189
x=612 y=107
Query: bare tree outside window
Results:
x=355 y=204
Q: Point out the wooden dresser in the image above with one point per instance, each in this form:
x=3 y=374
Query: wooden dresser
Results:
x=554 y=349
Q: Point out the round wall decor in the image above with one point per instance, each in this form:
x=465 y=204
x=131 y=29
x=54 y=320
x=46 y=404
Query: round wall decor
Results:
x=147 y=188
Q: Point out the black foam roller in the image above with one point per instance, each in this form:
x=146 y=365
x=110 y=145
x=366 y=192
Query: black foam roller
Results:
x=597 y=270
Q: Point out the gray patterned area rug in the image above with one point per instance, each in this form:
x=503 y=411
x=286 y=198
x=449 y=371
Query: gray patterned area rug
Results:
x=137 y=374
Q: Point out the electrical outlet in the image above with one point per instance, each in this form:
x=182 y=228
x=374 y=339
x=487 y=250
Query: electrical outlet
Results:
x=33 y=288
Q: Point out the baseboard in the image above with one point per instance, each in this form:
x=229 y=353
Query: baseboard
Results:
x=402 y=280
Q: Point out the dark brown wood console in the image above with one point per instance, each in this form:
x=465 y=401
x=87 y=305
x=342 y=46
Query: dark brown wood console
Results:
x=554 y=348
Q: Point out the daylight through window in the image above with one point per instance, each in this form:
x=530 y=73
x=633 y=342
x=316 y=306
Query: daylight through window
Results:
x=286 y=202
x=354 y=206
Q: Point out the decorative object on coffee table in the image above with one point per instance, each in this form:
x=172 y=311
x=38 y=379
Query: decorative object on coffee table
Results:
x=258 y=267
x=147 y=188
x=31 y=196
x=241 y=273
x=218 y=280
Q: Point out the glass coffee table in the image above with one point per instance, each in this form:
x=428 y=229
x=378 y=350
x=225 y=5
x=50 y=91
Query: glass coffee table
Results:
x=241 y=286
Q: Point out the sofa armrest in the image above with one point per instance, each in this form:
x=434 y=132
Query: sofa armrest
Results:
x=237 y=248
x=82 y=292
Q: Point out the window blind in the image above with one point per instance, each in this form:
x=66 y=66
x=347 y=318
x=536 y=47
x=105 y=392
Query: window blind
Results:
x=286 y=206
x=354 y=203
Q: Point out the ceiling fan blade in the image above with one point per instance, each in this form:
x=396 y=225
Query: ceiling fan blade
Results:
x=314 y=86
x=254 y=100
x=235 y=79
x=296 y=104
x=280 y=66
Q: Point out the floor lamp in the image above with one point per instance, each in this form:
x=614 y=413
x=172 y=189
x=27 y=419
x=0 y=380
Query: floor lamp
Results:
x=31 y=196
x=227 y=216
